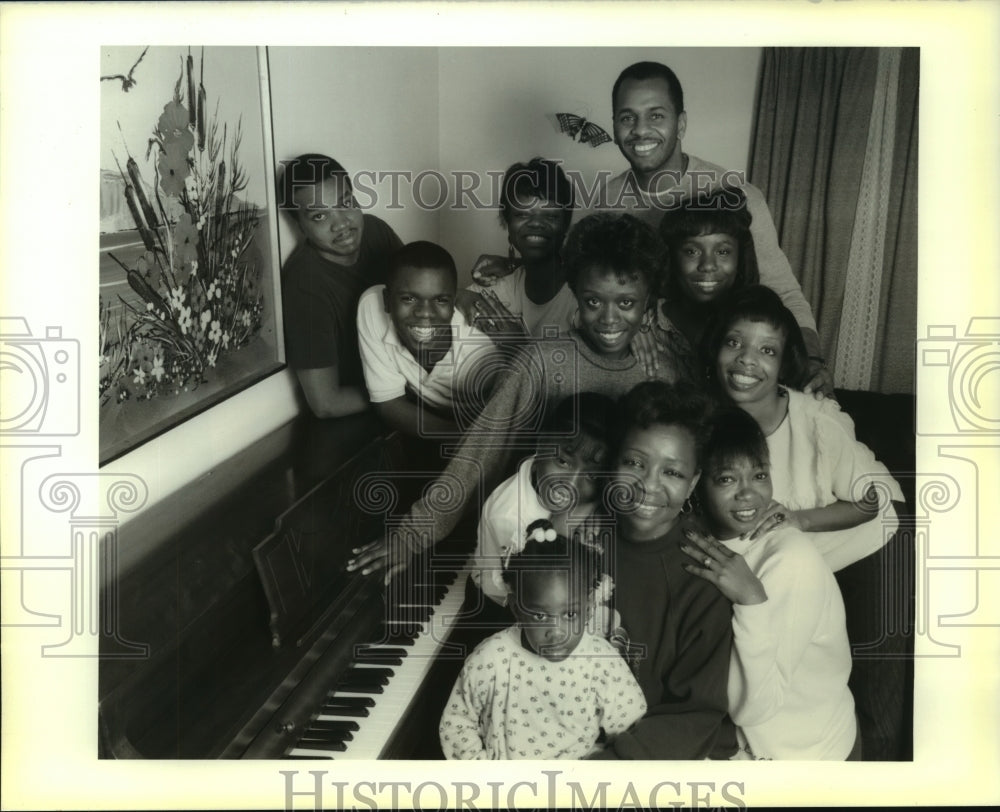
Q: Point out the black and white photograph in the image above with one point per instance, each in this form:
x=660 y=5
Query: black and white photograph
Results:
x=465 y=389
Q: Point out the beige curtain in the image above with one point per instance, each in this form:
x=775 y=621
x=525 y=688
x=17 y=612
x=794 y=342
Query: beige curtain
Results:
x=834 y=150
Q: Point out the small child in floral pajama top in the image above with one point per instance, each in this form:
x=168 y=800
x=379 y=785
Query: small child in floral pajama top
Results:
x=544 y=688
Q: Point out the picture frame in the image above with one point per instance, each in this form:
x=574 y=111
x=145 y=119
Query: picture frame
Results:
x=189 y=274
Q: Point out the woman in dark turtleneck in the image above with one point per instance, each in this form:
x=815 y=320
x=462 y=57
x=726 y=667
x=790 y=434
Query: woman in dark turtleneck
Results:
x=678 y=633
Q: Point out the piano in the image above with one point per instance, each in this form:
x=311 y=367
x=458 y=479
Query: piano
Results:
x=232 y=629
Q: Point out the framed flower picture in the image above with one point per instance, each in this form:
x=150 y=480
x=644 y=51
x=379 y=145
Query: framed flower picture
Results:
x=189 y=290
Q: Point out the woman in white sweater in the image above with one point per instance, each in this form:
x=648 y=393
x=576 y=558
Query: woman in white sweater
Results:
x=791 y=659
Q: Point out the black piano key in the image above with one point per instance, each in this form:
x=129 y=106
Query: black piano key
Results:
x=366 y=673
x=344 y=710
x=361 y=686
x=350 y=701
x=373 y=659
x=375 y=656
x=333 y=747
x=377 y=676
x=388 y=651
x=360 y=673
x=371 y=671
x=313 y=737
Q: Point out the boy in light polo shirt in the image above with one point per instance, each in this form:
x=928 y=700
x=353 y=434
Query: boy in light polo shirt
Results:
x=427 y=371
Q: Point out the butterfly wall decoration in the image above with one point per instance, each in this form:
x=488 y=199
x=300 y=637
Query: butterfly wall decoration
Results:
x=581 y=130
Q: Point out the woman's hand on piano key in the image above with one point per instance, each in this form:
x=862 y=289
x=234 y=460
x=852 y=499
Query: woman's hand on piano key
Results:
x=378 y=555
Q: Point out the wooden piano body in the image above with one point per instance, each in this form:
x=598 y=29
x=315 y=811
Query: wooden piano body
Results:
x=231 y=619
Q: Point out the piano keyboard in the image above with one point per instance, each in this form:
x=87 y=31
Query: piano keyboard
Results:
x=360 y=714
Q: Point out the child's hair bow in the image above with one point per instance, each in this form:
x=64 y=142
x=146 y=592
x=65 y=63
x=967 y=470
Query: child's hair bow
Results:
x=543 y=534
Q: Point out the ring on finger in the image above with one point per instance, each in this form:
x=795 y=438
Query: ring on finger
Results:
x=708 y=561
x=779 y=517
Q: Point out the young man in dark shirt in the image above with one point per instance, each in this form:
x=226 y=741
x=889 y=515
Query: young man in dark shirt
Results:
x=345 y=251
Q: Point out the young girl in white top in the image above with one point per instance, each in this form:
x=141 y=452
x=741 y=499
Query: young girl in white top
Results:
x=544 y=688
x=791 y=659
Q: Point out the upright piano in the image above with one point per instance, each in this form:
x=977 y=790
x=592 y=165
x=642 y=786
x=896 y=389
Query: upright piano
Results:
x=232 y=629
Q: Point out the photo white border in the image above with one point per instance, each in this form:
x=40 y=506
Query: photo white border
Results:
x=49 y=57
